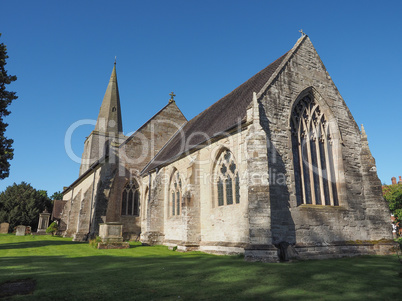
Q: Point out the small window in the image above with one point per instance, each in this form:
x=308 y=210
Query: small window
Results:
x=227 y=183
x=175 y=193
x=130 y=199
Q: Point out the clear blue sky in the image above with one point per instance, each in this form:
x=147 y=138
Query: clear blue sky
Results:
x=63 y=54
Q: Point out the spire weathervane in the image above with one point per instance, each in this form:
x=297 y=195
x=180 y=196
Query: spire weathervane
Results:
x=172 y=95
x=302 y=33
x=115 y=58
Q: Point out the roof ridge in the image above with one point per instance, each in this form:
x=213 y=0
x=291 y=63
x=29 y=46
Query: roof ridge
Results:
x=149 y=120
x=278 y=70
x=217 y=118
x=166 y=144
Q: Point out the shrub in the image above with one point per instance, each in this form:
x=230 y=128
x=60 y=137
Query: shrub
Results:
x=94 y=242
x=52 y=228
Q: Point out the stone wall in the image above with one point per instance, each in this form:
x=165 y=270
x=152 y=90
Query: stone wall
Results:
x=362 y=214
x=202 y=224
x=96 y=197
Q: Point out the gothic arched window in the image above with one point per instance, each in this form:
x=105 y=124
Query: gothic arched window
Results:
x=313 y=155
x=175 y=194
x=130 y=201
x=227 y=181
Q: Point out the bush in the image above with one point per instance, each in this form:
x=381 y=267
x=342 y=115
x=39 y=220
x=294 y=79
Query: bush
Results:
x=94 y=242
x=52 y=228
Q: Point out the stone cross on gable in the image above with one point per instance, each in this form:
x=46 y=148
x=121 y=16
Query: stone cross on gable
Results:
x=302 y=33
x=172 y=95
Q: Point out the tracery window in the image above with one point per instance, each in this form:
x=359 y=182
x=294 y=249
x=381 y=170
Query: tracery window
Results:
x=175 y=194
x=130 y=200
x=313 y=155
x=227 y=181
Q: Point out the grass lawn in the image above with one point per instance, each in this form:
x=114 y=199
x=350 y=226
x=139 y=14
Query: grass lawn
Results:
x=66 y=270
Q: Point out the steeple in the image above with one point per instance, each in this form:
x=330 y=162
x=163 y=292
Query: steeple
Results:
x=109 y=118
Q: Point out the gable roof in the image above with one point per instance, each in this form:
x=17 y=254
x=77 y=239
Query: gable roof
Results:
x=172 y=103
x=223 y=115
x=58 y=206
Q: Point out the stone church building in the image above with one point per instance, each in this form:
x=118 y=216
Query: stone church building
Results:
x=278 y=163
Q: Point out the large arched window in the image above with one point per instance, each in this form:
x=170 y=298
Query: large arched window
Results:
x=227 y=181
x=313 y=154
x=130 y=200
x=175 y=194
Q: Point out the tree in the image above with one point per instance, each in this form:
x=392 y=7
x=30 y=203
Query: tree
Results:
x=6 y=97
x=57 y=196
x=393 y=195
x=21 y=204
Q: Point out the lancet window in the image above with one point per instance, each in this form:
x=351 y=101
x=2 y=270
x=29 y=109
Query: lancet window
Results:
x=313 y=155
x=130 y=201
x=175 y=194
x=227 y=181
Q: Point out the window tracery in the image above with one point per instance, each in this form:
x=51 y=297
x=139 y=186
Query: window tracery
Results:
x=175 y=194
x=227 y=181
x=130 y=201
x=313 y=155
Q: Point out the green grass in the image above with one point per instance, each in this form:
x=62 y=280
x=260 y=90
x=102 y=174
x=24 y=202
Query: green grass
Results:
x=65 y=270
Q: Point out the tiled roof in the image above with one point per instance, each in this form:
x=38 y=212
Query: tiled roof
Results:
x=58 y=206
x=218 y=118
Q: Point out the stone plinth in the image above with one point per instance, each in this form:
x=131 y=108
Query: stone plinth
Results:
x=111 y=232
x=112 y=236
x=43 y=222
x=4 y=228
x=116 y=245
x=20 y=231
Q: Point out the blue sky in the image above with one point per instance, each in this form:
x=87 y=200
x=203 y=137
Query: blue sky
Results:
x=63 y=52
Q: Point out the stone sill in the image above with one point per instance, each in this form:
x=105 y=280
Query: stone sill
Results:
x=308 y=207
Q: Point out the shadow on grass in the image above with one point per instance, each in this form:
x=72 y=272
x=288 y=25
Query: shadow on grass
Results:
x=36 y=244
x=194 y=276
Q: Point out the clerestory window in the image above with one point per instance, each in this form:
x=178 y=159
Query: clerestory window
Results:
x=130 y=202
x=313 y=155
x=227 y=181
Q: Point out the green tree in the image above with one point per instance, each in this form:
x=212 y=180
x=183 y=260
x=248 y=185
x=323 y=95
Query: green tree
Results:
x=6 y=97
x=21 y=204
x=57 y=196
x=393 y=195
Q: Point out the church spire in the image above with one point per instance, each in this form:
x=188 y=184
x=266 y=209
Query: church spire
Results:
x=109 y=118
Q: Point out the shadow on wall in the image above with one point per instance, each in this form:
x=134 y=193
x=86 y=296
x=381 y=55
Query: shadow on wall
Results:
x=282 y=224
x=101 y=200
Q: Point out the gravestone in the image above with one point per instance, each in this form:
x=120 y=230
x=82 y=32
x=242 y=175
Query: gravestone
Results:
x=20 y=230
x=43 y=222
x=4 y=228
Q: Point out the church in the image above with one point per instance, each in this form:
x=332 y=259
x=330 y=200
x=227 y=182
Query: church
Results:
x=278 y=167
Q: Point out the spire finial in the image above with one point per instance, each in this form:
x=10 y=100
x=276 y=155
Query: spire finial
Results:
x=115 y=58
x=172 y=95
x=302 y=33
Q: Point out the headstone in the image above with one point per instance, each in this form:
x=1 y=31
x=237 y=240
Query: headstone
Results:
x=43 y=222
x=4 y=228
x=20 y=231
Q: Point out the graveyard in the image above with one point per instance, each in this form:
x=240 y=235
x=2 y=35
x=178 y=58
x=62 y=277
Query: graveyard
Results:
x=57 y=268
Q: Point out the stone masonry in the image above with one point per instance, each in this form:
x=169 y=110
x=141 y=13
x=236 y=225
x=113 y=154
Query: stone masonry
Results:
x=240 y=178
